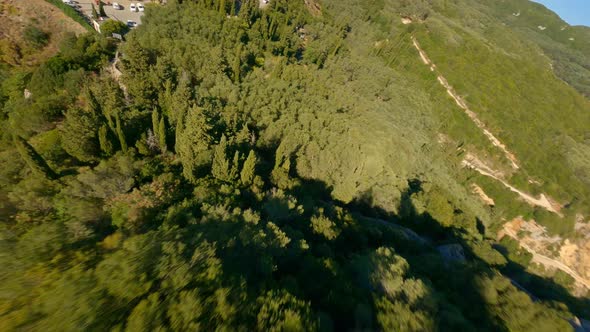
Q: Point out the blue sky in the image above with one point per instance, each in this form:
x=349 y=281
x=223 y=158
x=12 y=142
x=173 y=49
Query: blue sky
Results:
x=574 y=12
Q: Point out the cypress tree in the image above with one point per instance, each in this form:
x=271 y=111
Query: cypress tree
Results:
x=221 y=166
x=159 y=130
x=234 y=169
x=162 y=135
x=101 y=9
x=155 y=121
x=92 y=105
x=142 y=146
x=79 y=134
x=249 y=168
x=232 y=11
x=193 y=141
x=106 y=146
x=94 y=13
x=236 y=68
x=120 y=133
x=34 y=160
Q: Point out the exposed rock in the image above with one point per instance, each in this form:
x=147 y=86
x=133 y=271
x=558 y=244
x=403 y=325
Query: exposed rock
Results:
x=452 y=252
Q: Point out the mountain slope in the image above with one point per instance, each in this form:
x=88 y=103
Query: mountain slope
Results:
x=295 y=167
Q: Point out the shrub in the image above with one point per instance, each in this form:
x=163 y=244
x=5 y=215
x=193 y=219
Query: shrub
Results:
x=35 y=36
x=112 y=26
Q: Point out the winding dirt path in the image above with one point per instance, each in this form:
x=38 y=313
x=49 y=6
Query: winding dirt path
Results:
x=547 y=261
x=463 y=105
x=473 y=162
x=477 y=165
x=116 y=74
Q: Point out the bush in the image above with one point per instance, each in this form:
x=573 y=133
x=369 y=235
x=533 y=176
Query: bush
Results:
x=71 y=12
x=35 y=36
x=113 y=26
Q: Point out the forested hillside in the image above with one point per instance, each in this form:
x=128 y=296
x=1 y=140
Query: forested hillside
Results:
x=305 y=166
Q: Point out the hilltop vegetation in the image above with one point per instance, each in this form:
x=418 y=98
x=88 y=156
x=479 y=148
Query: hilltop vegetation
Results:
x=282 y=169
x=31 y=32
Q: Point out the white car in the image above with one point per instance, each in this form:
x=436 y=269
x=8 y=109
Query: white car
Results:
x=132 y=7
x=116 y=6
x=131 y=24
x=140 y=7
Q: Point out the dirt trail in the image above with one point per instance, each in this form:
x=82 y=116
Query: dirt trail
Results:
x=463 y=105
x=477 y=165
x=547 y=261
x=481 y=193
x=116 y=74
x=473 y=162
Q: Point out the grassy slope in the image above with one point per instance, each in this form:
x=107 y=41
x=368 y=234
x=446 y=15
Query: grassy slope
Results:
x=15 y=16
x=506 y=78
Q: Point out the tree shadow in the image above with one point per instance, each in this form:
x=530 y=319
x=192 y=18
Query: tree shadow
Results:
x=328 y=272
x=461 y=277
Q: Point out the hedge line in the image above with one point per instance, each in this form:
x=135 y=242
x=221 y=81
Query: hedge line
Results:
x=71 y=12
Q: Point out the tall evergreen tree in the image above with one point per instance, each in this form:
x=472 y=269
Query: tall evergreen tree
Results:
x=79 y=134
x=120 y=133
x=162 y=135
x=94 y=13
x=249 y=168
x=101 y=9
x=193 y=141
x=106 y=146
x=232 y=11
x=236 y=67
x=221 y=165
x=223 y=168
x=33 y=159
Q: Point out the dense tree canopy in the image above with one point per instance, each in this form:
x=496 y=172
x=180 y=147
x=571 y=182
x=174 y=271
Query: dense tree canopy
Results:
x=252 y=169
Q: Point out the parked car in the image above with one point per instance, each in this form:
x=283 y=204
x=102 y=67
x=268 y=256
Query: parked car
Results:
x=140 y=7
x=117 y=6
x=132 y=7
x=131 y=24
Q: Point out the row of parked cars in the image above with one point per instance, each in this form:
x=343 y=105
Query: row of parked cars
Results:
x=132 y=7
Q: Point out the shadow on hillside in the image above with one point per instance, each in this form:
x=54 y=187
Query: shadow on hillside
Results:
x=538 y=288
x=331 y=272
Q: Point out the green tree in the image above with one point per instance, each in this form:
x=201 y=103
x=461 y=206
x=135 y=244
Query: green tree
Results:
x=232 y=10
x=120 y=133
x=35 y=162
x=223 y=168
x=193 y=143
x=281 y=311
x=106 y=146
x=94 y=12
x=35 y=36
x=101 y=9
x=162 y=135
x=79 y=134
x=113 y=26
x=159 y=130
x=249 y=169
